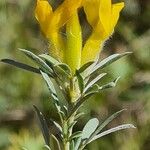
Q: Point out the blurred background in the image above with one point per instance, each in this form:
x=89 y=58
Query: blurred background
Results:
x=19 y=89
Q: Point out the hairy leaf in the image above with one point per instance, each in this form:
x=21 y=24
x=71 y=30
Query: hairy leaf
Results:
x=105 y=123
x=76 y=135
x=49 y=83
x=53 y=93
x=80 y=81
x=95 y=80
x=89 y=128
x=43 y=125
x=85 y=66
x=20 y=65
x=110 y=84
x=56 y=141
x=38 y=61
x=120 y=127
x=107 y=61
x=80 y=102
x=49 y=59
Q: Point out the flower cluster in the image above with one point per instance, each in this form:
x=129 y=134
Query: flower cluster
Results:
x=102 y=16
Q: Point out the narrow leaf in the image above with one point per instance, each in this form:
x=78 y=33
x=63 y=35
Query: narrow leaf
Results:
x=109 y=85
x=105 y=123
x=79 y=115
x=121 y=127
x=43 y=125
x=80 y=102
x=65 y=67
x=47 y=147
x=49 y=83
x=38 y=61
x=72 y=145
x=89 y=128
x=76 y=135
x=55 y=128
x=94 y=81
x=49 y=59
x=85 y=66
x=58 y=126
x=56 y=141
x=77 y=144
x=108 y=61
x=80 y=81
x=94 y=88
x=20 y=65
x=52 y=90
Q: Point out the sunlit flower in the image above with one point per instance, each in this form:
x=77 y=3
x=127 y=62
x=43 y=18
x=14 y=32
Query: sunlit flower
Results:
x=102 y=15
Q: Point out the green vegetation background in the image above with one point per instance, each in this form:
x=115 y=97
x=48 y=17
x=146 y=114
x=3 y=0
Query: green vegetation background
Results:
x=19 y=90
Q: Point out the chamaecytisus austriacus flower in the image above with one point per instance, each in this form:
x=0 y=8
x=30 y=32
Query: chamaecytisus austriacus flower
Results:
x=102 y=16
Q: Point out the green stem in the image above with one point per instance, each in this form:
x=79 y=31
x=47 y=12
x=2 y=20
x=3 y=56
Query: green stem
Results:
x=67 y=146
x=68 y=123
x=67 y=132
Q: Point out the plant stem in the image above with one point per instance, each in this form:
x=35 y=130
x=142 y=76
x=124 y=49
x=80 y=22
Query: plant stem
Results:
x=67 y=146
x=67 y=131
x=68 y=123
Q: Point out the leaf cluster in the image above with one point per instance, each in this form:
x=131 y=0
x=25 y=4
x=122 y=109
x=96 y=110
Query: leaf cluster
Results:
x=68 y=92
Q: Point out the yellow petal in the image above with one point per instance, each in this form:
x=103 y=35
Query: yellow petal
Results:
x=74 y=43
x=63 y=13
x=116 y=8
x=43 y=12
x=105 y=15
x=92 y=50
x=56 y=45
x=93 y=45
x=91 y=8
x=108 y=17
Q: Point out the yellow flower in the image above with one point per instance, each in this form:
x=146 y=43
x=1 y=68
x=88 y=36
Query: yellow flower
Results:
x=51 y=21
x=102 y=15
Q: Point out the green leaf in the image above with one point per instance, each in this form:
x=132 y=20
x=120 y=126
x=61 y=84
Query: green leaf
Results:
x=21 y=65
x=47 y=147
x=61 y=94
x=49 y=83
x=43 y=125
x=80 y=102
x=58 y=126
x=54 y=88
x=77 y=143
x=95 y=88
x=53 y=94
x=62 y=74
x=76 y=135
x=65 y=68
x=95 y=80
x=80 y=81
x=118 y=128
x=107 y=61
x=38 y=61
x=109 y=85
x=79 y=115
x=85 y=66
x=89 y=128
x=72 y=145
x=106 y=122
x=56 y=141
x=49 y=59
x=70 y=127
x=56 y=129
